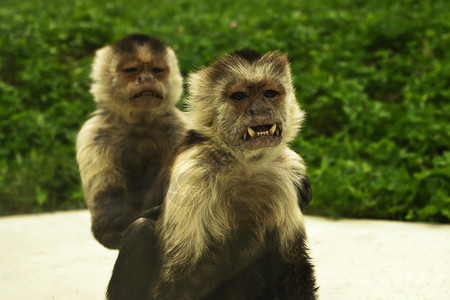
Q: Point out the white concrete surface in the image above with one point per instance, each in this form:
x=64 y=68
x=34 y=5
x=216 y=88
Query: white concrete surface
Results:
x=54 y=256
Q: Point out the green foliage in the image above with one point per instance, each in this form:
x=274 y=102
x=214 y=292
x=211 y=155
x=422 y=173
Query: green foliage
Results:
x=372 y=75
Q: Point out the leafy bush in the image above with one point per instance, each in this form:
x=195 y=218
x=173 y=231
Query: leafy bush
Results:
x=372 y=75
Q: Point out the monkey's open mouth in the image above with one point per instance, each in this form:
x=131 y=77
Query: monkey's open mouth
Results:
x=147 y=93
x=269 y=130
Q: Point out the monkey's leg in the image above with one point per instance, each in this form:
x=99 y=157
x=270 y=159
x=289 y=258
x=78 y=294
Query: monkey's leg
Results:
x=133 y=269
x=292 y=280
x=300 y=281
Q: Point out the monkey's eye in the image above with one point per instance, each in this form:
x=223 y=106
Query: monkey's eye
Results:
x=157 y=70
x=238 y=96
x=270 y=93
x=130 y=70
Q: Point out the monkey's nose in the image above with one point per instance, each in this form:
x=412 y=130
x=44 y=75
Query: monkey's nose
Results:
x=265 y=111
x=145 y=77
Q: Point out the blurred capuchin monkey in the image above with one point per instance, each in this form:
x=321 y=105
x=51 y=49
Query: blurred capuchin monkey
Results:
x=136 y=84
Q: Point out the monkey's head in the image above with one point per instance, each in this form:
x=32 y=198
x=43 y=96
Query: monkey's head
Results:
x=138 y=72
x=246 y=100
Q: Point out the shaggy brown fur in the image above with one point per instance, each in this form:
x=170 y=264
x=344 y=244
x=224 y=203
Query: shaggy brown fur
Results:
x=231 y=225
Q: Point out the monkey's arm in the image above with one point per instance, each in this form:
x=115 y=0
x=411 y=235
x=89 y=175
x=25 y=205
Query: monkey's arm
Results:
x=106 y=198
x=104 y=186
x=295 y=280
x=134 y=266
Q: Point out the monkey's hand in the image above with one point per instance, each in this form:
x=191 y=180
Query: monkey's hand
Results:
x=108 y=225
x=305 y=194
x=133 y=269
x=107 y=231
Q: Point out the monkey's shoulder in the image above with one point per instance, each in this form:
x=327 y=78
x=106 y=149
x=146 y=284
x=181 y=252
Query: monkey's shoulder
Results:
x=198 y=154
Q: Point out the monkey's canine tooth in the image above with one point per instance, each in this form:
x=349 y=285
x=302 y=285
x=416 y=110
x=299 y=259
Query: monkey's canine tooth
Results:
x=272 y=129
x=251 y=132
x=245 y=136
x=277 y=132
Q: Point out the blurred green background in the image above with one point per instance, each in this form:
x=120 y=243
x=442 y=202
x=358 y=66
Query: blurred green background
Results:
x=374 y=77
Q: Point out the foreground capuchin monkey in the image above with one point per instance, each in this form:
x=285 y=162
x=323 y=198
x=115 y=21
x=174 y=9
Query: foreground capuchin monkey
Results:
x=231 y=225
x=136 y=84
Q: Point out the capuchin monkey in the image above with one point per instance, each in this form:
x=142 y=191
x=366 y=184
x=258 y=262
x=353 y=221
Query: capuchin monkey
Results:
x=136 y=84
x=231 y=225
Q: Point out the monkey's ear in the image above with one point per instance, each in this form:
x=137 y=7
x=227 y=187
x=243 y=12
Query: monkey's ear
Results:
x=282 y=56
x=135 y=264
x=284 y=59
x=278 y=65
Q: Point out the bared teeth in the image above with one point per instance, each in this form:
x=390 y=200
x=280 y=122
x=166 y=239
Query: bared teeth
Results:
x=272 y=129
x=251 y=132
x=263 y=133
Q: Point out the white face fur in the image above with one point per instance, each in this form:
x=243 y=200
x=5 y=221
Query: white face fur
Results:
x=136 y=73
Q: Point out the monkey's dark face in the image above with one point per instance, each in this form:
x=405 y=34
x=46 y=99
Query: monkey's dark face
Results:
x=146 y=81
x=259 y=110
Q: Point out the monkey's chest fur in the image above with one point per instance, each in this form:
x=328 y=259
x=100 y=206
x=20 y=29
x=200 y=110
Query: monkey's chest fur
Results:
x=137 y=150
x=224 y=216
